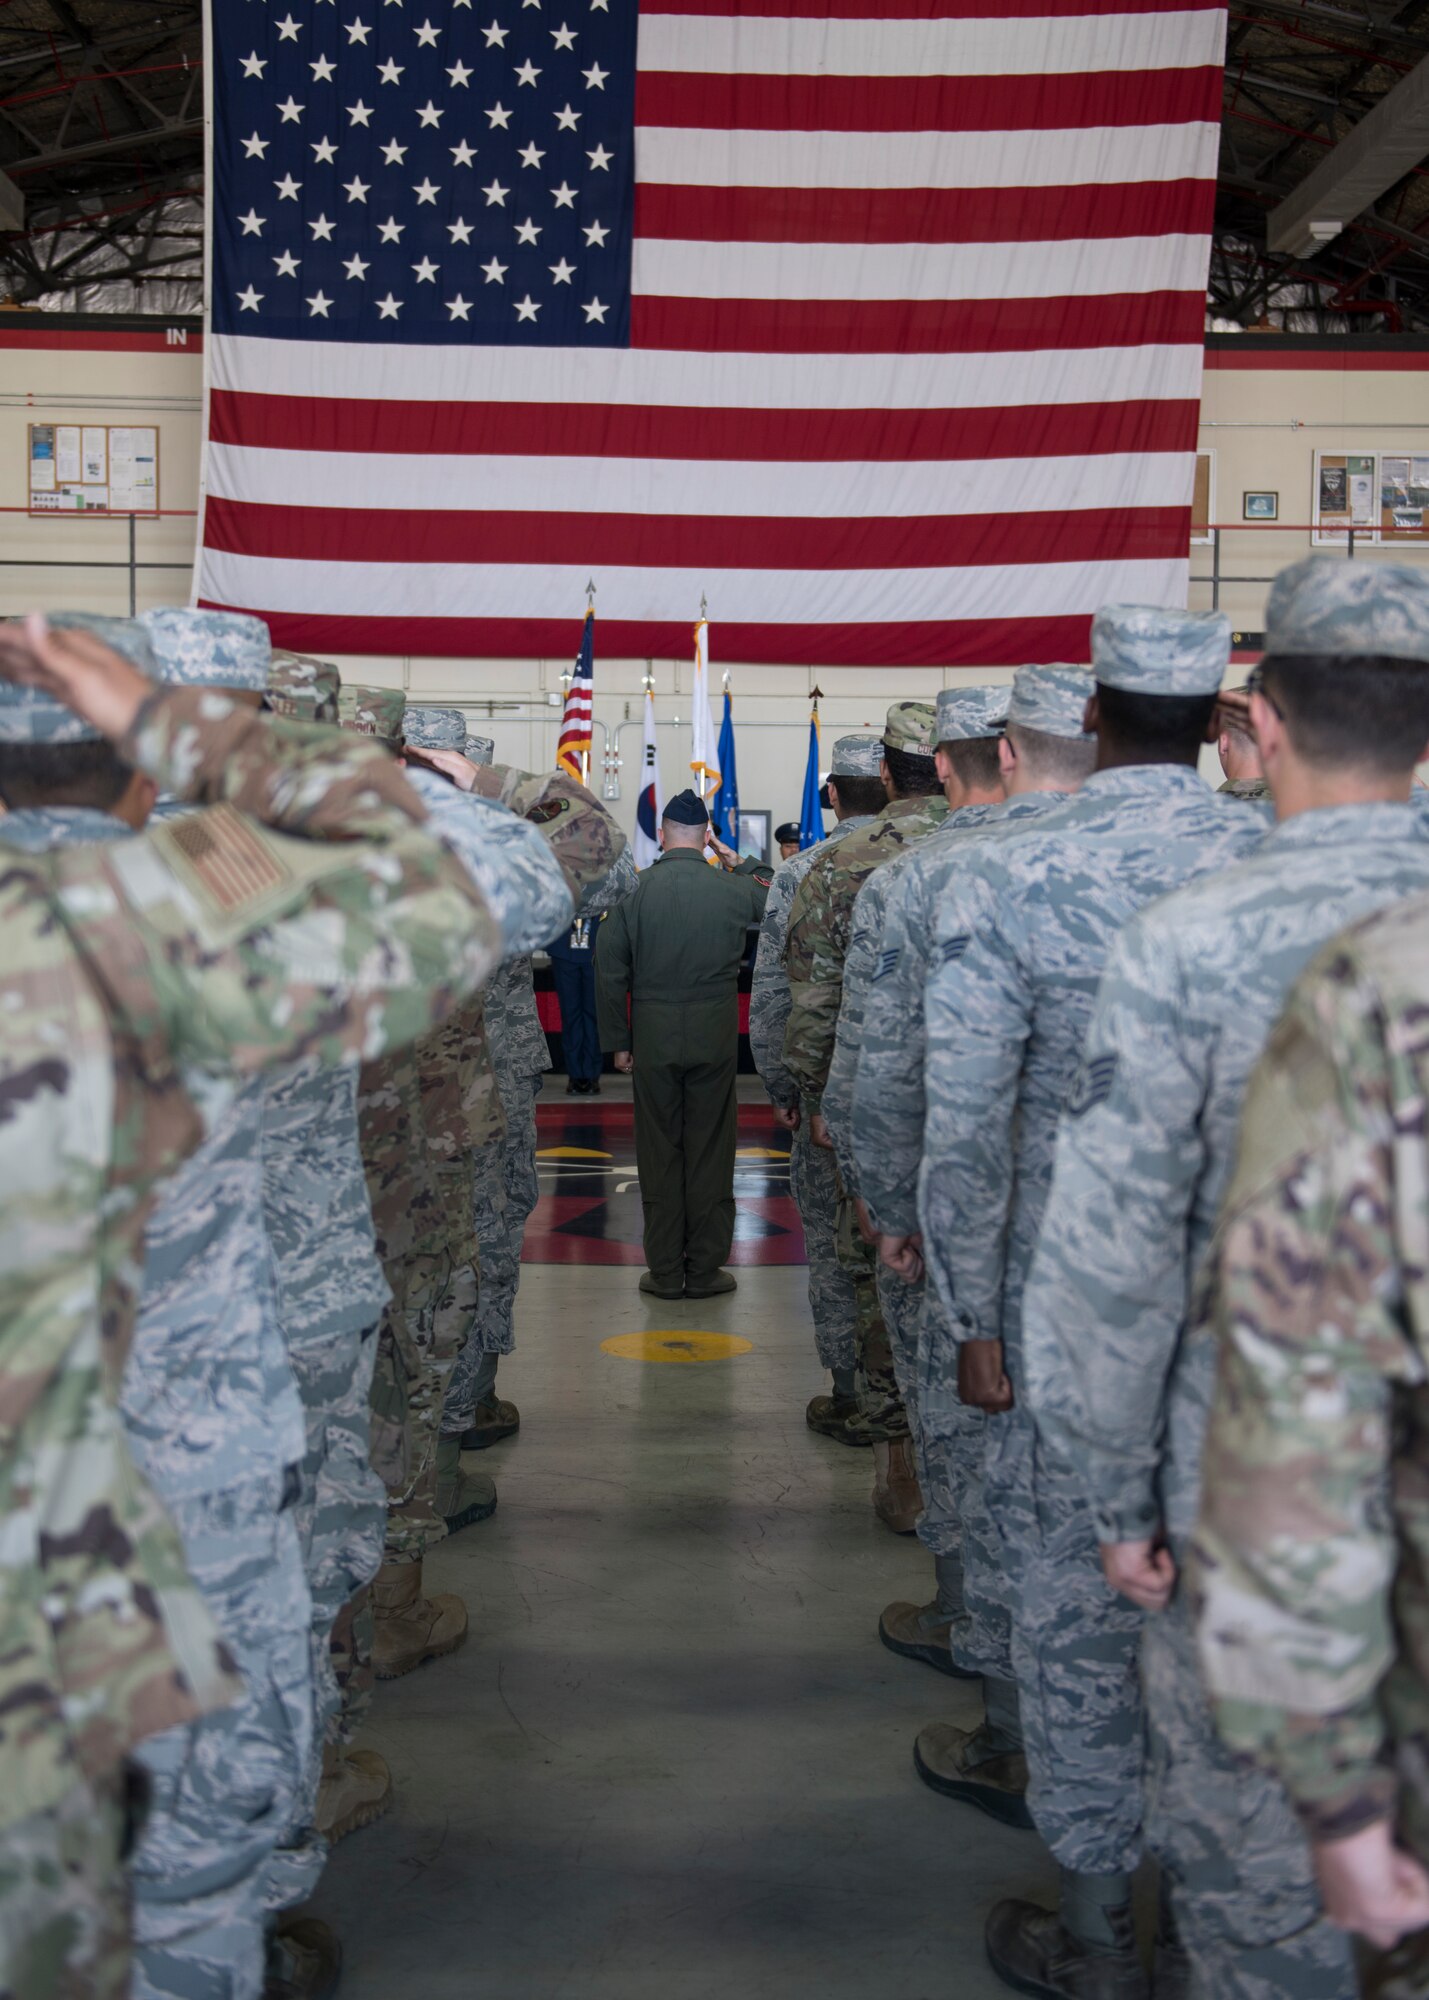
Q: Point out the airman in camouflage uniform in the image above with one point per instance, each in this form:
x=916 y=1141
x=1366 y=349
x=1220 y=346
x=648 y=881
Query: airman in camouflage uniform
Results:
x=1020 y=938
x=1309 y=1560
x=1043 y=757
x=820 y=924
x=1117 y=1382
x=1236 y=748
x=331 y=1292
x=161 y=959
x=506 y=808
x=216 y=1423
x=967 y=732
x=856 y=764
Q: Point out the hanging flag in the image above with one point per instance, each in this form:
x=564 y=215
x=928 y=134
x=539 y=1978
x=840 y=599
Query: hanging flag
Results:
x=650 y=803
x=573 y=750
x=811 y=818
x=884 y=323
x=704 y=757
x=724 y=806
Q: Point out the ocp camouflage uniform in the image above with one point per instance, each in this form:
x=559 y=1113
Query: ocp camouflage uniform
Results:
x=1309 y=1559
x=155 y=973
x=811 y=1168
x=1018 y=946
x=820 y=923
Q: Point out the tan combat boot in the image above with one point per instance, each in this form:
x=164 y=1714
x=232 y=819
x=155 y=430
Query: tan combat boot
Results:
x=409 y=1629
x=896 y=1498
x=356 y=1789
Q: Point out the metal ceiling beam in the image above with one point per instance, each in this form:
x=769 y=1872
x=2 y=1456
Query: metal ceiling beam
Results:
x=12 y=205
x=118 y=142
x=1386 y=144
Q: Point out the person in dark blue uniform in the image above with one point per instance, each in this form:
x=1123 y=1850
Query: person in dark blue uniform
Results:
x=572 y=957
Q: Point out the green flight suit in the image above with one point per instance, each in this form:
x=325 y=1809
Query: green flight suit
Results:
x=674 y=950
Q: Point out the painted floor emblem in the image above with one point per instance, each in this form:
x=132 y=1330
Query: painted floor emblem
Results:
x=675 y=1344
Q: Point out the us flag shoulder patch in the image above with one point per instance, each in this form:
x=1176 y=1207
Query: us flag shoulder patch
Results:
x=1091 y=1086
x=223 y=857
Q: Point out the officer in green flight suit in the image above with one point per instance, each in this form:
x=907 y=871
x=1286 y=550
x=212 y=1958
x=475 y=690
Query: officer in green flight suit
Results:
x=667 y=984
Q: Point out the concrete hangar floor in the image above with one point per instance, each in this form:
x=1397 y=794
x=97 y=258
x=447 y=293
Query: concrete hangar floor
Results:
x=672 y=1758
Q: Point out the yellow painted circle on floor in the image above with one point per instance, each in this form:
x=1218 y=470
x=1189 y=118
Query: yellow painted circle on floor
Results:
x=675 y=1344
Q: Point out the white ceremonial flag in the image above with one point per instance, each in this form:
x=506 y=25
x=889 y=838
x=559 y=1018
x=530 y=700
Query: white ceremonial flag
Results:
x=704 y=739
x=651 y=801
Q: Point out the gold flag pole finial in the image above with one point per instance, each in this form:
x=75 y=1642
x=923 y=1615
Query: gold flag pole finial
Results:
x=704 y=605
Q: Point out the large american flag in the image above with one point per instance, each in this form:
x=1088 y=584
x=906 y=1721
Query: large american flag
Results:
x=878 y=326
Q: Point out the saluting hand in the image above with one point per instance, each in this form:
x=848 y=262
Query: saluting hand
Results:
x=76 y=668
x=451 y=763
x=727 y=856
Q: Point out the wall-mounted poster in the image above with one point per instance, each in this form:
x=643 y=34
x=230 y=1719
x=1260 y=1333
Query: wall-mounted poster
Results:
x=1260 y=506
x=1346 y=495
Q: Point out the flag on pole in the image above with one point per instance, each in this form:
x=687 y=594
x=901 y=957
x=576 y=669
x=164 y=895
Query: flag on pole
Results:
x=724 y=806
x=573 y=750
x=650 y=803
x=811 y=818
x=704 y=758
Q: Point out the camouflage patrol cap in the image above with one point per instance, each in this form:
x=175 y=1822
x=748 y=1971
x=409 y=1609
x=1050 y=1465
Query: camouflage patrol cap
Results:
x=966 y=713
x=1349 y=610
x=303 y=687
x=434 y=728
x=857 y=757
x=480 y=750
x=1051 y=699
x=29 y=716
x=1151 y=649
x=371 y=711
x=210 y=648
x=910 y=727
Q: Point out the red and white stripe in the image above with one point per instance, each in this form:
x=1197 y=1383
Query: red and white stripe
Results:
x=917 y=342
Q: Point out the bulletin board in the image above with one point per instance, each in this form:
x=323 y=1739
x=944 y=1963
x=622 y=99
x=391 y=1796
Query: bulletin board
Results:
x=1345 y=496
x=1383 y=495
x=1404 y=496
x=77 y=469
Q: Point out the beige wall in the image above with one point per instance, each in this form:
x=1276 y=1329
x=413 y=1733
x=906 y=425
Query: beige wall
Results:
x=61 y=384
x=1264 y=426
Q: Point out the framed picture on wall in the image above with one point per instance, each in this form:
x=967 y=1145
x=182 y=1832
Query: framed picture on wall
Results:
x=1260 y=506
x=754 y=832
